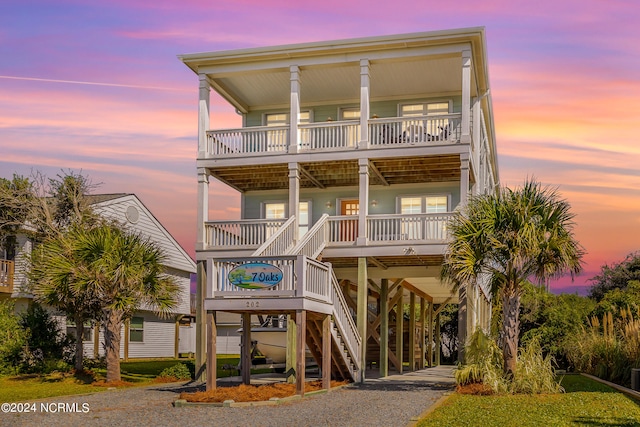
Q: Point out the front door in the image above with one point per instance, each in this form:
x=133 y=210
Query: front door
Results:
x=349 y=227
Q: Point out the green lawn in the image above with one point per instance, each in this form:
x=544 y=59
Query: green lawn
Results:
x=139 y=372
x=586 y=402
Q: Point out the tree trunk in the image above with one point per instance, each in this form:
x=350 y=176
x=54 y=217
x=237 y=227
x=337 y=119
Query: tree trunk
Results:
x=510 y=328
x=79 y=340
x=112 y=326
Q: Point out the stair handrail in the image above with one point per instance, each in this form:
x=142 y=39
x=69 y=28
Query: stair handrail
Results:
x=280 y=242
x=314 y=240
x=344 y=322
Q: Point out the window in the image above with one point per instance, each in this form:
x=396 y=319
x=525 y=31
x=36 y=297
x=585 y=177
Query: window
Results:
x=436 y=204
x=424 y=228
x=279 y=211
x=303 y=221
x=275 y=210
x=136 y=329
x=350 y=114
x=277 y=139
x=282 y=119
x=432 y=128
x=86 y=334
x=424 y=109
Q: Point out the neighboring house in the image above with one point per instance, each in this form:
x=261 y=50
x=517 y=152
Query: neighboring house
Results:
x=146 y=334
x=352 y=156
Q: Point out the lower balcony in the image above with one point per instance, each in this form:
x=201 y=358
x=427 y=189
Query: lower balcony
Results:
x=7 y=269
x=245 y=236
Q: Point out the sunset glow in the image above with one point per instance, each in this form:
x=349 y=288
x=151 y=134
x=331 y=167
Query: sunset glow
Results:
x=96 y=87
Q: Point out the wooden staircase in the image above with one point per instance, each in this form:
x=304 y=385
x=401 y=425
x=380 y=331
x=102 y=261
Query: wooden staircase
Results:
x=342 y=364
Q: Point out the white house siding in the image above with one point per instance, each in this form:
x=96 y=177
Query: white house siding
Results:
x=149 y=227
x=158 y=339
x=228 y=340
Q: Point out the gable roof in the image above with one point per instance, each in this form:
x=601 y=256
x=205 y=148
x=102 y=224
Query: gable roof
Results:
x=129 y=210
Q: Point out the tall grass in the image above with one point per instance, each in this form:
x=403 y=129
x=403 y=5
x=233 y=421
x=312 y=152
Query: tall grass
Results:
x=534 y=372
x=608 y=348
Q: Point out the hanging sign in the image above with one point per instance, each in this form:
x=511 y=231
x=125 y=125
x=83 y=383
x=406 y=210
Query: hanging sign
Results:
x=255 y=275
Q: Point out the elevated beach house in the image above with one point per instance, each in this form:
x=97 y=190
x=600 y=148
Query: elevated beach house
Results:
x=352 y=156
x=145 y=334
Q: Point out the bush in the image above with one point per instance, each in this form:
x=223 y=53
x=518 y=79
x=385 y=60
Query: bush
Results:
x=608 y=348
x=534 y=372
x=13 y=338
x=47 y=346
x=179 y=371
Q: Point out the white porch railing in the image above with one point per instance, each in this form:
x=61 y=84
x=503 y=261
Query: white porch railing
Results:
x=314 y=240
x=251 y=140
x=415 y=130
x=242 y=234
x=280 y=242
x=219 y=285
x=343 y=229
x=424 y=227
x=329 y=135
x=345 y=324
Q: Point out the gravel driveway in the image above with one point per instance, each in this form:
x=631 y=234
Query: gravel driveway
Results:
x=391 y=401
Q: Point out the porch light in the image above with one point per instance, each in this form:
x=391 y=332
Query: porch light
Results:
x=374 y=203
x=328 y=204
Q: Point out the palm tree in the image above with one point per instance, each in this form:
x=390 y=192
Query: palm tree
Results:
x=57 y=279
x=127 y=273
x=102 y=273
x=512 y=236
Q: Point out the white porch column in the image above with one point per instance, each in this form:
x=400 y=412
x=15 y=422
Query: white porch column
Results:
x=294 y=114
x=294 y=196
x=466 y=97
x=477 y=146
x=363 y=166
x=464 y=179
x=364 y=104
x=203 y=114
x=203 y=208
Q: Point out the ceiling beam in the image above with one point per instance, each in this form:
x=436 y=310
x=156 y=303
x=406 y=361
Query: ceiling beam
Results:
x=311 y=178
x=377 y=173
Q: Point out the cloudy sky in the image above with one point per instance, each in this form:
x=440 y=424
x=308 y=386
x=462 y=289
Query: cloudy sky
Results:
x=95 y=86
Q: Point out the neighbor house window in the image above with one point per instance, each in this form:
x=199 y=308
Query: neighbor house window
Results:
x=136 y=329
x=86 y=334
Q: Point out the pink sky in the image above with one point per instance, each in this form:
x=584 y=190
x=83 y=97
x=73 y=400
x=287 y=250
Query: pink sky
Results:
x=97 y=88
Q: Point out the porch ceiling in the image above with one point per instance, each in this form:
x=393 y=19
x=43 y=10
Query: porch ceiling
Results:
x=342 y=173
x=412 y=77
x=429 y=284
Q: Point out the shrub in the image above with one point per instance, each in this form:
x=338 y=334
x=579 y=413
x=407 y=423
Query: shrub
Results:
x=534 y=372
x=179 y=371
x=47 y=346
x=608 y=348
x=13 y=338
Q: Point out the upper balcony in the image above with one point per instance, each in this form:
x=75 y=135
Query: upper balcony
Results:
x=6 y=276
x=331 y=136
